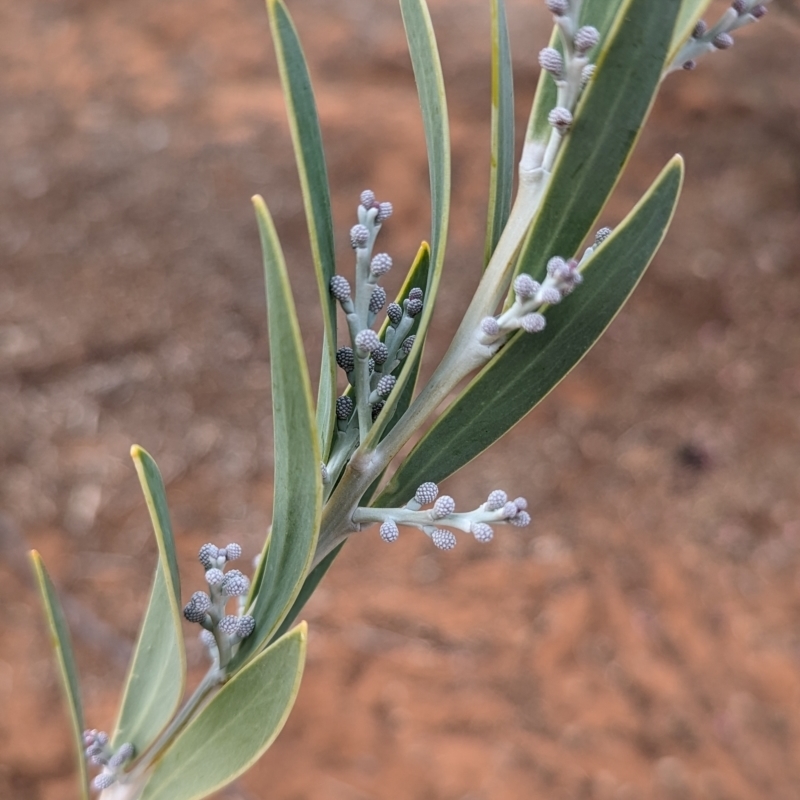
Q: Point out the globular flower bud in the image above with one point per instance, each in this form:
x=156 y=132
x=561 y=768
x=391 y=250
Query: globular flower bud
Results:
x=551 y=61
x=739 y=6
x=384 y=212
x=381 y=263
x=757 y=12
x=395 y=313
x=235 y=584
x=245 y=626
x=229 y=624
x=482 y=532
x=560 y=118
x=367 y=340
x=207 y=638
x=413 y=307
x=340 y=287
x=722 y=41
x=380 y=353
x=443 y=539
x=207 y=555
x=377 y=299
x=124 y=753
x=371 y=364
x=587 y=73
x=99 y=759
x=102 y=738
x=509 y=510
x=496 y=500
x=195 y=610
x=389 y=531
x=426 y=493
x=689 y=65
x=408 y=344
x=345 y=358
x=558 y=7
x=416 y=294
x=490 y=326
x=550 y=295
x=103 y=781
x=533 y=323
x=367 y=198
x=521 y=519
x=700 y=29
x=359 y=236
x=525 y=286
x=443 y=507
x=376 y=409
x=214 y=577
x=233 y=551
x=601 y=236
x=94 y=749
x=521 y=503
x=586 y=38
x=344 y=407
x=557 y=267
x=385 y=385
x=89 y=737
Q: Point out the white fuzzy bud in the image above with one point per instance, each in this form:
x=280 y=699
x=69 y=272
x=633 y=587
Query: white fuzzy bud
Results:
x=359 y=236
x=207 y=638
x=229 y=624
x=340 y=288
x=601 y=236
x=482 y=532
x=521 y=519
x=587 y=73
x=525 y=287
x=426 y=493
x=344 y=407
x=496 y=500
x=413 y=307
x=722 y=41
x=521 y=503
x=214 y=577
x=533 y=323
x=560 y=118
x=367 y=340
x=550 y=295
x=443 y=539
x=236 y=584
x=103 y=781
x=367 y=198
x=490 y=326
x=345 y=358
x=408 y=344
x=377 y=299
x=207 y=555
x=380 y=354
x=700 y=29
x=443 y=507
x=558 y=7
x=384 y=212
x=385 y=385
x=245 y=626
x=395 y=313
x=389 y=531
x=509 y=511
x=586 y=38
x=550 y=60
x=381 y=263
x=233 y=551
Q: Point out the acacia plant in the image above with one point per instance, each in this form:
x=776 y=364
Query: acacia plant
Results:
x=551 y=283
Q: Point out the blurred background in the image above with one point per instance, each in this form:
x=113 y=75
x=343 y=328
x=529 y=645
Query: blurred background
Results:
x=639 y=640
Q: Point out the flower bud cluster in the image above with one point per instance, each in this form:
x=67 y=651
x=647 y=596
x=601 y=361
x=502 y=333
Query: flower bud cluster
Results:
x=438 y=521
x=705 y=39
x=569 y=67
x=99 y=753
x=563 y=277
x=208 y=609
x=371 y=360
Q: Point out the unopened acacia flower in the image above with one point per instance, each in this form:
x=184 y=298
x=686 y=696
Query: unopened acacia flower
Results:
x=389 y=531
x=443 y=539
x=426 y=493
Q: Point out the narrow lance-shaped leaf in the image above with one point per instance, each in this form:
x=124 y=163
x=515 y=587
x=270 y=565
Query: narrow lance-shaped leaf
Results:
x=157 y=674
x=530 y=365
x=430 y=87
x=236 y=727
x=297 y=503
x=501 y=177
x=601 y=15
x=310 y=158
x=691 y=11
x=607 y=123
x=59 y=639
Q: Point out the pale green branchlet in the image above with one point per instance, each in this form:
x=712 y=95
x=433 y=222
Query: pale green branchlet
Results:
x=542 y=290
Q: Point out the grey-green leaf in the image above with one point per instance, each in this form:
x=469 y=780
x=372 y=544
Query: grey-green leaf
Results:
x=530 y=365
x=608 y=121
x=59 y=639
x=501 y=176
x=297 y=503
x=239 y=723
x=310 y=158
x=157 y=674
x=430 y=87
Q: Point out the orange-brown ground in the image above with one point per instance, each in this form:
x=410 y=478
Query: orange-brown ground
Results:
x=639 y=641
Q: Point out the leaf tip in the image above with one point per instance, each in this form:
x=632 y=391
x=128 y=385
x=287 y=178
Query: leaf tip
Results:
x=138 y=452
